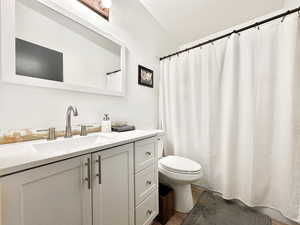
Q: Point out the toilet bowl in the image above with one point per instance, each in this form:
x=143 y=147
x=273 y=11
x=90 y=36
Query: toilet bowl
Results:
x=179 y=173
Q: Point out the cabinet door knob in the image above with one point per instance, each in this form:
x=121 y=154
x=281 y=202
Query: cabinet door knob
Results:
x=149 y=182
x=148 y=153
x=149 y=211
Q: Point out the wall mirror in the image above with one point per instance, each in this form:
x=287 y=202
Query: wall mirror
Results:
x=45 y=45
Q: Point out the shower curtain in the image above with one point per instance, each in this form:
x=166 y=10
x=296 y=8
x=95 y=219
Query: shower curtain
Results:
x=234 y=106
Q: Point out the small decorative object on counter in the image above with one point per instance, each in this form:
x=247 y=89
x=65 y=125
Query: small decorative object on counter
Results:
x=106 y=124
x=118 y=123
x=122 y=128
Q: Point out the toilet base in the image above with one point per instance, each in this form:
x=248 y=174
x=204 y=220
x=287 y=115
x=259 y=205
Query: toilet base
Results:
x=183 y=197
x=183 y=194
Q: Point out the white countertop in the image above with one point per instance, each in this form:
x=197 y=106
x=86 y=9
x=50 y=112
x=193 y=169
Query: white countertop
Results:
x=25 y=155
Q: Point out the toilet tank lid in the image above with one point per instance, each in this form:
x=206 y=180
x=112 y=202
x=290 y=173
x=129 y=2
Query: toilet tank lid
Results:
x=180 y=164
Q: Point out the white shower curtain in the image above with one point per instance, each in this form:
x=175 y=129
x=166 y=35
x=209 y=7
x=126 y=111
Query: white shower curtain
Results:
x=234 y=106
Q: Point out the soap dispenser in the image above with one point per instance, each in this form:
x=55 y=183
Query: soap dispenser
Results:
x=106 y=124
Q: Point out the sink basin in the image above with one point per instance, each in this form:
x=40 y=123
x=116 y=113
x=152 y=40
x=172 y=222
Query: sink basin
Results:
x=71 y=144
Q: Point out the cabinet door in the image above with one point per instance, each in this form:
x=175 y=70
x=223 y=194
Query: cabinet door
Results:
x=56 y=194
x=113 y=189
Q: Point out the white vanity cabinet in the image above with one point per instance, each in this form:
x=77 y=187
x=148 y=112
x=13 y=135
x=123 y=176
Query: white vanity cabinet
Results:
x=52 y=194
x=146 y=181
x=115 y=186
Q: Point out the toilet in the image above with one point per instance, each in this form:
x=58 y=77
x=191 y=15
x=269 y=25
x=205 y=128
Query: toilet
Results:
x=179 y=173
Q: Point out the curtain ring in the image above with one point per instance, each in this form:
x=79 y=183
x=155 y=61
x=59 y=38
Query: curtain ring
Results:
x=299 y=13
x=212 y=43
x=257 y=26
x=283 y=18
x=236 y=32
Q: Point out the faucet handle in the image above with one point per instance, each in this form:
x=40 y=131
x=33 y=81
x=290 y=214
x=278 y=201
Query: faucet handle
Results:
x=51 y=133
x=83 y=130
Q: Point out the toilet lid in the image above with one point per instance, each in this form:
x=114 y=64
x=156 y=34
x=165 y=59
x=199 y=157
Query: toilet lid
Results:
x=179 y=164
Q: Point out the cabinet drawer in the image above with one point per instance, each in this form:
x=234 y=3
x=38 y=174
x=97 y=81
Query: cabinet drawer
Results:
x=145 y=183
x=145 y=153
x=147 y=210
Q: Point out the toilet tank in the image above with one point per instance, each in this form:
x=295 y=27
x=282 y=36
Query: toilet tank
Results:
x=160 y=145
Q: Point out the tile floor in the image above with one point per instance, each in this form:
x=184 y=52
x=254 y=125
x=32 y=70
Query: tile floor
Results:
x=178 y=218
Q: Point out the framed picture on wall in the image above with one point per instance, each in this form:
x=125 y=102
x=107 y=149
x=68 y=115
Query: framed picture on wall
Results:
x=97 y=6
x=145 y=76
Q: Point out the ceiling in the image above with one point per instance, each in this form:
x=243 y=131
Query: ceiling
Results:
x=189 y=20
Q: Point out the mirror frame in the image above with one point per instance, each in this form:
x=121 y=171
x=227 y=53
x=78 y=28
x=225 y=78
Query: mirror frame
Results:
x=8 y=54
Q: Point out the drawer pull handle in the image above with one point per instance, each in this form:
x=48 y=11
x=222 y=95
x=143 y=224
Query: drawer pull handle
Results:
x=99 y=169
x=148 y=182
x=148 y=153
x=88 y=178
x=149 y=212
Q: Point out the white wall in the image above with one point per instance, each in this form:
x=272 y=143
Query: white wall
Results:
x=291 y=3
x=286 y=4
x=32 y=107
x=230 y=29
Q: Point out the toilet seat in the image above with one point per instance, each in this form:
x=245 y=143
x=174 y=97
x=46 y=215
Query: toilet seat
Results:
x=180 y=165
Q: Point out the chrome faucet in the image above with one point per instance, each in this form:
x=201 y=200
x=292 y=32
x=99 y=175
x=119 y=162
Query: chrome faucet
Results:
x=68 y=132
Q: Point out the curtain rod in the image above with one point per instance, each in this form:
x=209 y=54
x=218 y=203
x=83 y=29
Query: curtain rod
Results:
x=110 y=73
x=288 y=12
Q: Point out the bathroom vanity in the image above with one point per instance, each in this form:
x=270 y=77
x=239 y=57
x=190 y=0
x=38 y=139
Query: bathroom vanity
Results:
x=100 y=179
